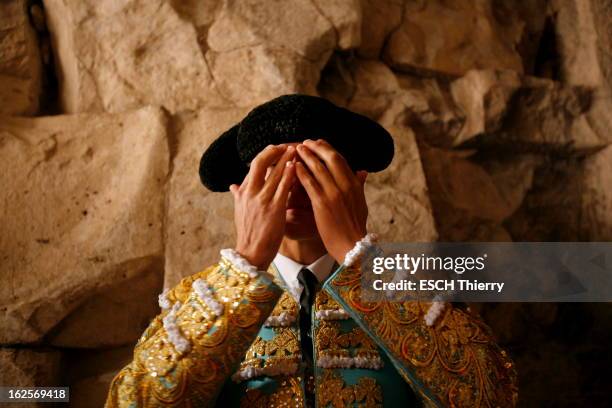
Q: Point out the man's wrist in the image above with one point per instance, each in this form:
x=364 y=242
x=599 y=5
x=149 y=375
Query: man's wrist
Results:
x=340 y=254
x=344 y=248
x=254 y=259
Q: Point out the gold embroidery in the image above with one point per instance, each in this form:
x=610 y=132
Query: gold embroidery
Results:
x=287 y=304
x=257 y=349
x=368 y=393
x=229 y=286
x=159 y=375
x=245 y=315
x=288 y=394
x=456 y=359
x=218 y=333
x=324 y=302
x=284 y=343
x=333 y=391
x=329 y=341
x=193 y=324
x=282 y=349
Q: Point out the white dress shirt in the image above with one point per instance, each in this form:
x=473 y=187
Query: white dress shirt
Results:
x=289 y=269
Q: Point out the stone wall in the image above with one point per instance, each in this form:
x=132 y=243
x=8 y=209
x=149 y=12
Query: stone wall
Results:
x=500 y=112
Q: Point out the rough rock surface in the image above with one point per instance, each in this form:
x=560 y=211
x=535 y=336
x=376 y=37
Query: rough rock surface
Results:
x=113 y=56
x=583 y=40
x=398 y=200
x=380 y=19
x=596 y=203
x=424 y=104
x=485 y=108
x=434 y=37
x=583 y=33
x=199 y=223
x=527 y=113
x=431 y=110
x=570 y=198
x=260 y=49
x=29 y=367
x=346 y=17
x=470 y=201
x=366 y=86
x=221 y=53
x=20 y=61
x=602 y=10
x=567 y=201
x=399 y=207
x=132 y=304
x=83 y=214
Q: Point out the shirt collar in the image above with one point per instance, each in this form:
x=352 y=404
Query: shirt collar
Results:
x=289 y=269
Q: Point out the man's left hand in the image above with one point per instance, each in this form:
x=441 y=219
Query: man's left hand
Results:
x=337 y=196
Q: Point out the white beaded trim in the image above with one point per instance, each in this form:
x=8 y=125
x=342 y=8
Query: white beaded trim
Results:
x=180 y=343
x=332 y=314
x=329 y=361
x=434 y=311
x=163 y=300
x=239 y=262
x=359 y=249
x=282 y=367
x=284 y=319
x=205 y=294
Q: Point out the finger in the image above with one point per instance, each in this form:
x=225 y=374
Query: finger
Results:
x=362 y=176
x=257 y=172
x=234 y=189
x=317 y=169
x=308 y=182
x=285 y=184
x=271 y=183
x=337 y=165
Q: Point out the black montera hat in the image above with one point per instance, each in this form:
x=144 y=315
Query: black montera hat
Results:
x=294 y=118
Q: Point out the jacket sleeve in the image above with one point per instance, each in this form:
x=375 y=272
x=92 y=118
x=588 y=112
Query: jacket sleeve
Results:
x=207 y=324
x=449 y=359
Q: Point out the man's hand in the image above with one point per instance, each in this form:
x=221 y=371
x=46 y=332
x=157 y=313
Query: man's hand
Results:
x=336 y=194
x=260 y=202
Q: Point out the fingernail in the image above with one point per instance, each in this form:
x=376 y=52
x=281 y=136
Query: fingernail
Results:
x=289 y=164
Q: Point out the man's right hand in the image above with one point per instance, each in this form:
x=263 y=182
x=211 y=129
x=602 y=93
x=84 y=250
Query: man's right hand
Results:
x=260 y=204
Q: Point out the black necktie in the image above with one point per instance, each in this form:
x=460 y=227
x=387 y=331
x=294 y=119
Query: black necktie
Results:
x=309 y=283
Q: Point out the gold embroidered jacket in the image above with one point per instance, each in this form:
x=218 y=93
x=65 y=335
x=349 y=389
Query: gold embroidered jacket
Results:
x=229 y=338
